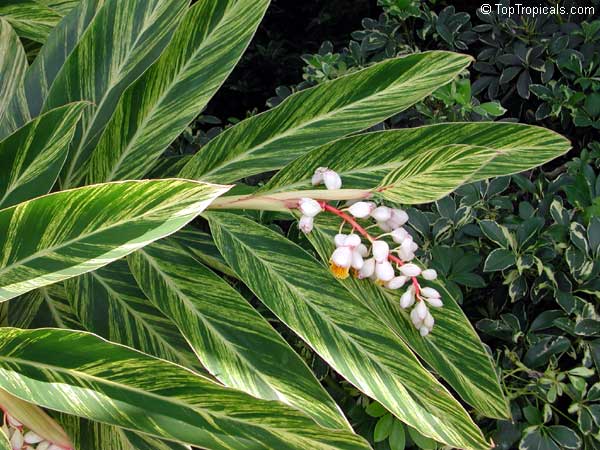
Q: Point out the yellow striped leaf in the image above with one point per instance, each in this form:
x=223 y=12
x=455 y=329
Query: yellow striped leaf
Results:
x=419 y=165
x=156 y=109
x=120 y=386
x=233 y=341
x=33 y=156
x=348 y=335
x=322 y=114
x=62 y=235
x=33 y=19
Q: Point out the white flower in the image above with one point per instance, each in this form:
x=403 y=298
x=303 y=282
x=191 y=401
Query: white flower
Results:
x=430 y=292
x=435 y=302
x=357 y=260
x=429 y=274
x=381 y=214
x=306 y=224
x=399 y=235
x=408 y=298
x=32 y=438
x=421 y=310
x=399 y=218
x=424 y=331
x=414 y=318
x=368 y=269
x=44 y=445
x=384 y=226
x=317 y=178
x=349 y=253
x=16 y=440
x=13 y=422
x=309 y=207
x=339 y=239
x=396 y=282
x=410 y=270
x=406 y=255
x=362 y=250
x=360 y=210
x=352 y=240
x=428 y=321
x=342 y=257
x=381 y=251
x=384 y=270
x=331 y=179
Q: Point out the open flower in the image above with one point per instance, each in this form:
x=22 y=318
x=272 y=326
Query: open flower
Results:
x=309 y=207
x=330 y=178
x=348 y=254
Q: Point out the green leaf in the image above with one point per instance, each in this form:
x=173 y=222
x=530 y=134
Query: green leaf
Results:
x=157 y=107
x=81 y=374
x=62 y=235
x=30 y=18
x=564 y=437
x=404 y=156
x=383 y=428
x=108 y=302
x=33 y=156
x=495 y=232
x=323 y=114
x=13 y=64
x=499 y=259
x=397 y=439
x=445 y=349
x=343 y=331
x=123 y=40
x=231 y=339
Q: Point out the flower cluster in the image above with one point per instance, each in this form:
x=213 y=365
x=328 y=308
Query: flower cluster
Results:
x=389 y=265
x=25 y=440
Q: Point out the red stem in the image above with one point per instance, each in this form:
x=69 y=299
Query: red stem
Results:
x=356 y=226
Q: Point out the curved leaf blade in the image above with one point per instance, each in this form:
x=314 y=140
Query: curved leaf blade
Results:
x=233 y=341
x=156 y=108
x=33 y=156
x=381 y=159
x=65 y=234
x=123 y=40
x=322 y=114
x=120 y=386
x=108 y=302
x=344 y=332
x=31 y=19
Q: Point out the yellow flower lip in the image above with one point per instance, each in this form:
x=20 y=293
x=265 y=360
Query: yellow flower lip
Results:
x=339 y=272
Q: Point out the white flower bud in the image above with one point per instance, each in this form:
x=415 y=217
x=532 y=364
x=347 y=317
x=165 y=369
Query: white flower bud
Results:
x=381 y=251
x=414 y=318
x=407 y=299
x=309 y=207
x=55 y=447
x=13 y=422
x=16 y=440
x=406 y=255
x=429 y=274
x=430 y=292
x=381 y=214
x=424 y=331
x=357 y=260
x=410 y=270
x=406 y=244
x=32 y=438
x=422 y=310
x=396 y=282
x=362 y=250
x=399 y=235
x=352 y=240
x=342 y=256
x=332 y=180
x=413 y=247
x=317 y=178
x=384 y=226
x=306 y=224
x=367 y=269
x=435 y=302
x=429 y=321
x=384 y=271
x=399 y=216
x=45 y=445
x=360 y=210
x=339 y=239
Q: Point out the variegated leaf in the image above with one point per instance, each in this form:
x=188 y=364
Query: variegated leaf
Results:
x=108 y=302
x=33 y=156
x=233 y=341
x=322 y=114
x=156 y=109
x=348 y=335
x=120 y=386
x=62 y=235
x=30 y=18
x=13 y=64
x=124 y=38
x=419 y=165
x=452 y=349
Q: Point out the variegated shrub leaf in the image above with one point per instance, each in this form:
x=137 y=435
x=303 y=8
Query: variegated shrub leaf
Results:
x=452 y=349
x=135 y=32
x=33 y=156
x=108 y=302
x=156 y=109
x=230 y=337
x=120 y=386
x=409 y=165
x=13 y=64
x=62 y=235
x=348 y=335
x=322 y=114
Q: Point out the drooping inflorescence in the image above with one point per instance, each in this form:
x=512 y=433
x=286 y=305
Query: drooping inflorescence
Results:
x=20 y=439
x=369 y=257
